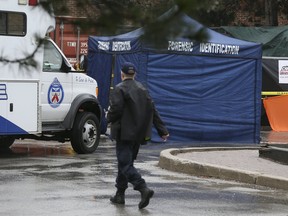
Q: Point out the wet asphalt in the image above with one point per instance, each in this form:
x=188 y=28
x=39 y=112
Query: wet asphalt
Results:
x=46 y=178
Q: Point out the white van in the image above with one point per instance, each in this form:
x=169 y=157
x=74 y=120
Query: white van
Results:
x=41 y=95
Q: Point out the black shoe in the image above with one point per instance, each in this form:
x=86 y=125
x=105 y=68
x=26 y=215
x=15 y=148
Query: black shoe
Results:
x=118 y=199
x=146 y=195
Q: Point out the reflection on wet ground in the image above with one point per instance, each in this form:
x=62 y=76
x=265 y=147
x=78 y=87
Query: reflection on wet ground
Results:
x=45 y=148
x=39 y=148
x=36 y=150
x=274 y=137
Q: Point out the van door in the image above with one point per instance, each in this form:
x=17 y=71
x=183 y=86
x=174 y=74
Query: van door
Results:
x=19 y=107
x=56 y=85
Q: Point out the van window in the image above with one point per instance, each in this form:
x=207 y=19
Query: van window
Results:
x=12 y=23
x=52 y=58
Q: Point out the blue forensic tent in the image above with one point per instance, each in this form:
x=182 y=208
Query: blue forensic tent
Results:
x=204 y=91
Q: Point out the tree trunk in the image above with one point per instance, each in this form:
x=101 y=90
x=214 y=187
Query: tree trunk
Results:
x=271 y=13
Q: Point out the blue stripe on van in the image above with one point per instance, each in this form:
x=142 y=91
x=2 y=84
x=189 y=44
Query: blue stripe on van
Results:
x=7 y=127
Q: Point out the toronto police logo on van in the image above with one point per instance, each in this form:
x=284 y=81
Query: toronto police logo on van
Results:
x=55 y=93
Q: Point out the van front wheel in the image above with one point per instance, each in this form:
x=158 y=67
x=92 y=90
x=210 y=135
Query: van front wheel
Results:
x=85 y=134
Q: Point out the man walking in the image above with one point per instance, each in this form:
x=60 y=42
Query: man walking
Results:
x=131 y=115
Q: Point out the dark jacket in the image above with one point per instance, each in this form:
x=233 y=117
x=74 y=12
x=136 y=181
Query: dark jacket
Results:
x=132 y=113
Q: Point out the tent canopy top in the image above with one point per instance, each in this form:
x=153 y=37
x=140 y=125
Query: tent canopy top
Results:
x=182 y=42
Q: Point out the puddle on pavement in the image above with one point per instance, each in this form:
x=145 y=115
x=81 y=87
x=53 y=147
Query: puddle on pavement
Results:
x=274 y=137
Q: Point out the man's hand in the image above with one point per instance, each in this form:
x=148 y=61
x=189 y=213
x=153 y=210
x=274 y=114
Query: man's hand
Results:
x=165 y=137
x=106 y=111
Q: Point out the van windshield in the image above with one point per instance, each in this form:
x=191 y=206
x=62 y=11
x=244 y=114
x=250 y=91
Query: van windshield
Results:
x=52 y=58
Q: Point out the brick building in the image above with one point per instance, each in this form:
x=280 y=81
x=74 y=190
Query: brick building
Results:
x=243 y=16
x=251 y=18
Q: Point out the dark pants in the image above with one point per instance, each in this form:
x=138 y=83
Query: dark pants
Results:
x=126 y=152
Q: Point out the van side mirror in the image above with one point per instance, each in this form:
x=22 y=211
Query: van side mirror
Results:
x=83 y=63
x=65 y=66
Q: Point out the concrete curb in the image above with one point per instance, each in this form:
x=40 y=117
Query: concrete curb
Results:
x=169 y=160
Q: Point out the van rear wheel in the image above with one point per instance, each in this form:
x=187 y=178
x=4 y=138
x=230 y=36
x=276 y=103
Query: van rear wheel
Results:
x=85 y=133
